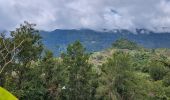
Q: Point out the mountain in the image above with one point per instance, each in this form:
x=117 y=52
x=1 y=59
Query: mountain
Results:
x=58 y=39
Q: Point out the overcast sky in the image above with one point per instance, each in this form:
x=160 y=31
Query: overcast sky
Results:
x=94 y=14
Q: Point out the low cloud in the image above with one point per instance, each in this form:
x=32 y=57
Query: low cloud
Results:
x=94 y=14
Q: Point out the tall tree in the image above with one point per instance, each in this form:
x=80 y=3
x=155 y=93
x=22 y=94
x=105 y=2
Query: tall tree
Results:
x=79 y=72
x=8 y=52
x=117 y=81
x=53 y=75
x=29 y=49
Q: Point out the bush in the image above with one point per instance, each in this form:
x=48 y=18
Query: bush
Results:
x=157 y=70
x=166 y=80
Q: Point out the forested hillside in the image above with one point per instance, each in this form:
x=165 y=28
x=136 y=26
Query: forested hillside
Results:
x=93 y=40
x=125 y=71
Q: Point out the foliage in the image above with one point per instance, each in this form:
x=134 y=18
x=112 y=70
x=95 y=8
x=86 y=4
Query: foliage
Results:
x=118 y=80
x=125 y=44
x=166 y=79
x=157 y=70
x=125 y=72
x=79 y=72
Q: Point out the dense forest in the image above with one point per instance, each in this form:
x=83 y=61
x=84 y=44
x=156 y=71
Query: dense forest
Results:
x=126 y=71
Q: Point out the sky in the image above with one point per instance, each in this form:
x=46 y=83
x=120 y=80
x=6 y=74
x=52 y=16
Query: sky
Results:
x=94 y=14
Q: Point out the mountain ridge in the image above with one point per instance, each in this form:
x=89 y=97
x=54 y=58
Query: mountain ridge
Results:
x=93 y=40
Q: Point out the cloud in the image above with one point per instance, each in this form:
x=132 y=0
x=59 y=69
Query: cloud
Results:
x=163 y=19
x=94 y=14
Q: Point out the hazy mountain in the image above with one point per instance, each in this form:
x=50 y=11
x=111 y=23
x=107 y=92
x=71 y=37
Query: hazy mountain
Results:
x=58 y=39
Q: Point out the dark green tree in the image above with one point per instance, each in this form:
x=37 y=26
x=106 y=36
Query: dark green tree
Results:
x=28 y=49
x=79 y=72
x=53 y=74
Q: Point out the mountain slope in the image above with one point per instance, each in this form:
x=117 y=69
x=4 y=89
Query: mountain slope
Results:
x=58 y=39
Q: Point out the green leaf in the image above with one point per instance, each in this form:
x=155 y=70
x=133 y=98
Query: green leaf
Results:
x=5 y=95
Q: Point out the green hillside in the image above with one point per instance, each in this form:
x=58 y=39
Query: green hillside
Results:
x=150 y=70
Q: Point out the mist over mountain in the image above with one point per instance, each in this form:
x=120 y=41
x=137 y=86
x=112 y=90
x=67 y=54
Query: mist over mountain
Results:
x=93 y=40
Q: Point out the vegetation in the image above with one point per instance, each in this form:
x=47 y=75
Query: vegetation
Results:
x=124 y=72
x=125 y=44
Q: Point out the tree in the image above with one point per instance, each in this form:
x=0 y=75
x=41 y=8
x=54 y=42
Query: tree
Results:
x=32 y=47
x=46 y=78
x=117 y=81
x=79 y=72
x=53 y=75
x=23 y=47
x=113 y=69
x=8 y=50
x=125 y=44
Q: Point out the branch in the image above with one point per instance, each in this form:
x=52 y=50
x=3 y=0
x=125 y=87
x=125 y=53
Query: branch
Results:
x=5 y=56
